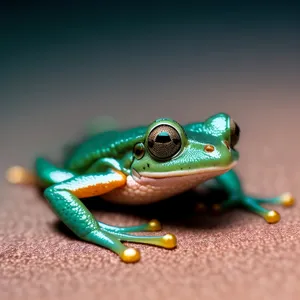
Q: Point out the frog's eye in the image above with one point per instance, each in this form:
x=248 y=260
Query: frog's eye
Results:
x=234 y=133
x=164 y=142
x=139 y=150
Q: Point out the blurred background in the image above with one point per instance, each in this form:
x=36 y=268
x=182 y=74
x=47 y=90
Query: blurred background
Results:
x=63 y=63
x=66 y=62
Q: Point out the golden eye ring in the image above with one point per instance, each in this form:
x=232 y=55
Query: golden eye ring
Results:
x=164 y=142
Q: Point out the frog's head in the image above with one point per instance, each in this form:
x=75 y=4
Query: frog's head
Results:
x=172 y=150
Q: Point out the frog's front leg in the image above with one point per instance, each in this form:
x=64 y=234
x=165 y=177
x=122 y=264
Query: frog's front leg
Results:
x=64 y=199
x=236 y=197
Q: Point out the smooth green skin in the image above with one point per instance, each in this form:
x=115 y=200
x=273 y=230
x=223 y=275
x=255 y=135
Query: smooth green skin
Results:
x=95 y=159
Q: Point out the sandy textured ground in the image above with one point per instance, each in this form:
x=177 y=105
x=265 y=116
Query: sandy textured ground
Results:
x=234 y=256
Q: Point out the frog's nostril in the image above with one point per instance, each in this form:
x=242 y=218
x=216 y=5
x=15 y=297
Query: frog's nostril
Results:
x=209 y=148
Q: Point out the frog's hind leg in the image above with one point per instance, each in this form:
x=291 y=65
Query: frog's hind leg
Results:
x=65 y=197
x=20 y=175
x=254 y=205
x=236 y=197
x=45 y=174
x=50 y=174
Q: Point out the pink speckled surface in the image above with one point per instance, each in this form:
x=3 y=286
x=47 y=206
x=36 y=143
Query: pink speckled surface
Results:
x=233 y=256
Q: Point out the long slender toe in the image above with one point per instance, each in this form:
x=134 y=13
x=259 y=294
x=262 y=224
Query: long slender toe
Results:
x=271 y=216
x=167 y=241
x=153 y=225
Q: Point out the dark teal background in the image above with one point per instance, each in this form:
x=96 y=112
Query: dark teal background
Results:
x=63 y=63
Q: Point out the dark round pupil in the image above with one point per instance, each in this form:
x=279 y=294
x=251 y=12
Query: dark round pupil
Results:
x=138 y=151
x=164 y=142
x=163 y=137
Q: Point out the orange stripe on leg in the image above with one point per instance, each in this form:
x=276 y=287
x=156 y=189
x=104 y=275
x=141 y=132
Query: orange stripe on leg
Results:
x=95 y=185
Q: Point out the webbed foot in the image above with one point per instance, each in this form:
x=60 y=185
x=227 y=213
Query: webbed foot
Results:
x=167 y=241
x=254 y=205
x=113 y=238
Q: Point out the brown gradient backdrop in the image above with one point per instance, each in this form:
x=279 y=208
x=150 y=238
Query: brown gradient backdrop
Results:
x=56 y=78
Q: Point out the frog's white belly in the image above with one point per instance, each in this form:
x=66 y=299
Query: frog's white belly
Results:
x=146 y=190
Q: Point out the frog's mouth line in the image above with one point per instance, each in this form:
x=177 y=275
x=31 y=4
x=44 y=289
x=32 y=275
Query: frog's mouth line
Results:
x=163 y=175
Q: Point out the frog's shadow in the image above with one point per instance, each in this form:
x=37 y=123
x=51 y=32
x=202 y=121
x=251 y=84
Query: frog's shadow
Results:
x=179 y=211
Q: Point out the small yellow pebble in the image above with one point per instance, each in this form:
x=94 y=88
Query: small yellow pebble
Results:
x=169 y=241
x=272 y=217
x=200 y=207
x=154 y=225
x=287 y=199
x=216 y=208
x=130 y=255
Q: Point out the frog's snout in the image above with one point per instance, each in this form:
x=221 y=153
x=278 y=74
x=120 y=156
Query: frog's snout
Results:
x=221 y=154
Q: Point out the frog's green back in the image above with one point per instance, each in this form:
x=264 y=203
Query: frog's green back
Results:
x=107 y=144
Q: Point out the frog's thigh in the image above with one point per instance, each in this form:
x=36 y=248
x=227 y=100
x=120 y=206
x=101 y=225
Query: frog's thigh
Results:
x=64 y=199
x=45 y=174
x=49 y=174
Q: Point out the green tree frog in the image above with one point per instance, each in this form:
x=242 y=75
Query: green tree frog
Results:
x=143 y=165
